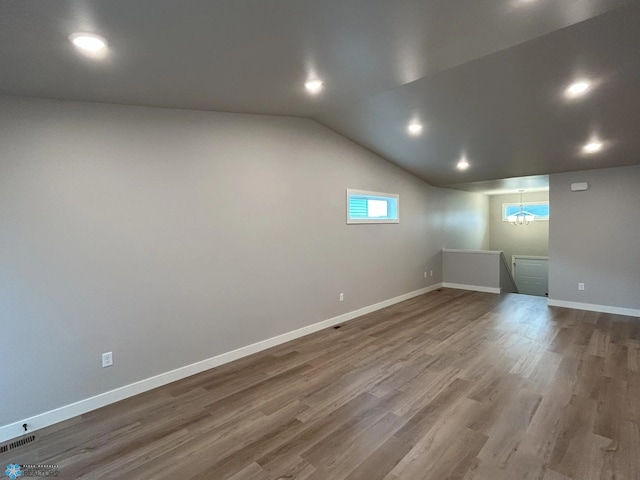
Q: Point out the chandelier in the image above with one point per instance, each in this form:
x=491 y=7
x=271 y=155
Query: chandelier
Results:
x=522 y=217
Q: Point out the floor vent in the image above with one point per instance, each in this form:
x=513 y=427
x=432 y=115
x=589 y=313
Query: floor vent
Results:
x=17 y=443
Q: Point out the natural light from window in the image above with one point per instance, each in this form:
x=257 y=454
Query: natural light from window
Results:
x=371 y=207
x=377 y=208
x=539 y=210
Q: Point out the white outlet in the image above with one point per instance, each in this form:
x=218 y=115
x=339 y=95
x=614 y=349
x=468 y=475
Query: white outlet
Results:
x=431 y=273
x=425 y=274
x=342 y=297
x=581 y=286
x=107 y=359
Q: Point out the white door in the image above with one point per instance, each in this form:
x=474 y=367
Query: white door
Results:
x=531 y=274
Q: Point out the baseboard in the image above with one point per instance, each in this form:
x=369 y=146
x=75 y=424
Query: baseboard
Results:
x=631 y=312
x=475 y=288
x=66 y=412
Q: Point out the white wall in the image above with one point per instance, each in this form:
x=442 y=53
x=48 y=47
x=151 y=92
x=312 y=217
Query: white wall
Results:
x=172 y=236
x=595 y=238
x=532 y=239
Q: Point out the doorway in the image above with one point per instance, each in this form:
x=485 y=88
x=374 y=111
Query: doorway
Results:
x=531 y=274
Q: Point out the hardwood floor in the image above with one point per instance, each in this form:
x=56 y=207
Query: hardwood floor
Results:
x=448 y=385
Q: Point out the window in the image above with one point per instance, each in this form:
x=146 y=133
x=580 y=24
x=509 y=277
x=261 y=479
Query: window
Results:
x=372 y=207
x=539 y=210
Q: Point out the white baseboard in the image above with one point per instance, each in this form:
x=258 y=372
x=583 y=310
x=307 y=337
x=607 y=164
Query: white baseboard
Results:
x=475 y=288
x=631 y=312
x=36 y=422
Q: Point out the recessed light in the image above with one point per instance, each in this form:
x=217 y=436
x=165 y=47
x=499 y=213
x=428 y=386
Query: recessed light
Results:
x=415 y=128
x=463 y=164
x=593 y=146
x=314 y=86
x=88 y=42
x=578 y=89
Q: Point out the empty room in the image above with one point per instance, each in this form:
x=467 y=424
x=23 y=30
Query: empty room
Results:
x=330 y=240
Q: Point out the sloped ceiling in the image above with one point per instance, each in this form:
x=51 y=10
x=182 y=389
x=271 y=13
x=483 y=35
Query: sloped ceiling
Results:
x=485 y=77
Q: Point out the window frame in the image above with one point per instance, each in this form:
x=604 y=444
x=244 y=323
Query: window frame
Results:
x=378 y=195
x=525 y=204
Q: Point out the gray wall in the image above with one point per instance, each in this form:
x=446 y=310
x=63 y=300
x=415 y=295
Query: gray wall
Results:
x=171 y=236
x=481 y=269
x=595 y=237
x=465 y=219
x=532 y=239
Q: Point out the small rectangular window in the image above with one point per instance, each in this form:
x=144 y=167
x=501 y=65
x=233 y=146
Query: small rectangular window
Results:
x=539 y=210
x=372 y=207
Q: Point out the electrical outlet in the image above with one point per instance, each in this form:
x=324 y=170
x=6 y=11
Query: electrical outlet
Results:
x=431 y=273
x=341 y=297
x=425 y=274
x=107 y=359
x=581 y=286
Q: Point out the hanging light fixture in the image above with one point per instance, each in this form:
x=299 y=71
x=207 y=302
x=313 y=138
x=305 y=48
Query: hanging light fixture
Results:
x=522 y=217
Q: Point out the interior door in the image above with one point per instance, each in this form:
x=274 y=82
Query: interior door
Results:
x=531 y=275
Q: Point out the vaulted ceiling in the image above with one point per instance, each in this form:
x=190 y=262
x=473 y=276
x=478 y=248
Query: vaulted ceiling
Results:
x=485 y=78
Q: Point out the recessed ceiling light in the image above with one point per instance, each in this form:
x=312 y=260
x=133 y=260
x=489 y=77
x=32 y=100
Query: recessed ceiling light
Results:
x=593 y=146
x=415 y=128
x=314 y=86
x=88 y=42
x=578 y=89
x=463 y=164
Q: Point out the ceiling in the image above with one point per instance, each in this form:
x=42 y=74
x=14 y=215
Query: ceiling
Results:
x=503 y=186
x=485 y=77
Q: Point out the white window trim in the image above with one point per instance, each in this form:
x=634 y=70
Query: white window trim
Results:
x=351 y=191
x=524 y=204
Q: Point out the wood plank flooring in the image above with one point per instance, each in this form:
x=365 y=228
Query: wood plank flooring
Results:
x=448 y=385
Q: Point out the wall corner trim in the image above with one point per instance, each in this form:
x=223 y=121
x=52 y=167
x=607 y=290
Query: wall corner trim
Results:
x=631 y=312
x=37 y=422
x=475 y=288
